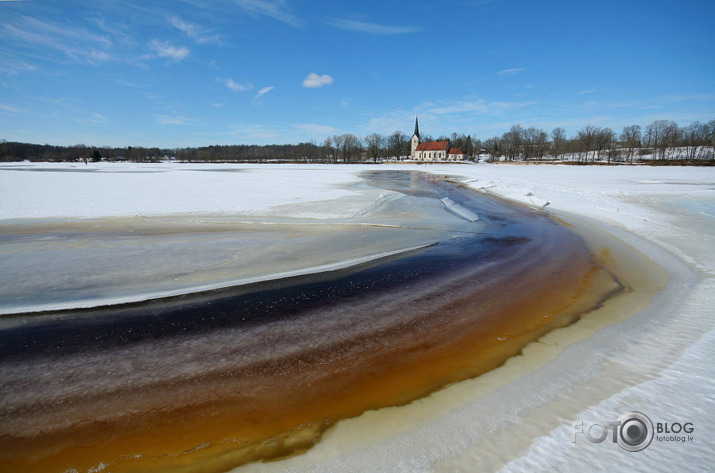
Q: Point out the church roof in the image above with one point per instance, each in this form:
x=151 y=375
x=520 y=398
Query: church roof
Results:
x=455 y=151
x=433 y=146
x=417 y=129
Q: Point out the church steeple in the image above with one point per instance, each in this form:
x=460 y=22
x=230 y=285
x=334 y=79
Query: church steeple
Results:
x=415 y=141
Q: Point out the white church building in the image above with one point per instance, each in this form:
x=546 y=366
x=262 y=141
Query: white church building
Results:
x=433 y=150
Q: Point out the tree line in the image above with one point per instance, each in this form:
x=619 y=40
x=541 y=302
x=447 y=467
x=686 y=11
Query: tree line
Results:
x=662 y=140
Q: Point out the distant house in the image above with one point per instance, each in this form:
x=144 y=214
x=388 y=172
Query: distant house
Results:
x=455 y=154
x=433 y=150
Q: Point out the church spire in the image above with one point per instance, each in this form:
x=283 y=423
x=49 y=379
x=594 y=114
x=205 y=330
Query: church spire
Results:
x=417 y=128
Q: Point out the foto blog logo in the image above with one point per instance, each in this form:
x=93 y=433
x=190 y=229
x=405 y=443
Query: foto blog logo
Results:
x=633 y=431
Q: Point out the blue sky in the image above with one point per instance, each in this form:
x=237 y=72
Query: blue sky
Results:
x=193 y=72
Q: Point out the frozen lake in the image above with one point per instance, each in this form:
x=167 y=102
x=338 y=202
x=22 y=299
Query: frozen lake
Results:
x=342 y=222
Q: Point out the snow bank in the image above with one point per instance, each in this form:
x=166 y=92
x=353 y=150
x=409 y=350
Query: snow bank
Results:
x=518 y=417
x=64 y=190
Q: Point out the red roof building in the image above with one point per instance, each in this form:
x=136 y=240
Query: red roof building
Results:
x=433 y=150
x=455 y=154
x=433 y=146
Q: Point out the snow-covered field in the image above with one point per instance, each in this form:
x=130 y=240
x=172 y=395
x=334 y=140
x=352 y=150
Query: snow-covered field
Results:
x=518 y=417
x=66 y=190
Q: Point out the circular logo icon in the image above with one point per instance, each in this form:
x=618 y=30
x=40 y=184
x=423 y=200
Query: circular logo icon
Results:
x=635 y=432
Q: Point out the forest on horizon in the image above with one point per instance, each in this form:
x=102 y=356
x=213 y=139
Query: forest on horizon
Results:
x=662 y=141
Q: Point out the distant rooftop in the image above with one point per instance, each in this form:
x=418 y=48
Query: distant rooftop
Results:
x=433 y=146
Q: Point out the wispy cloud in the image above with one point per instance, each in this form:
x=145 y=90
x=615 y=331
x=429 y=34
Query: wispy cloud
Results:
x=586 y=91
x=198 y=33
x=9 y=109
x=480 y=107
x=314 y=80
x=686 y=97
x=172 y=120
x=261 y=93
x=256 y=133
x=90 y=118
x=233 y=85
x=372 y=28
x=12 y=67
x=320 y=130
x=264 y=91
x=77 y=43
x=276 y=9
x=515 y=70
x=166 y=49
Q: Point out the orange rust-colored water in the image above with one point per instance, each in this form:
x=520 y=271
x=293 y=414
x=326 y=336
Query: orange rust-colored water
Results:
x=211 y=399
x=218 y=421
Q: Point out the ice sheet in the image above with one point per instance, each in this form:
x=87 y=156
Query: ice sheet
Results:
x=57 y=262
x=518 y=418
x=657 y=362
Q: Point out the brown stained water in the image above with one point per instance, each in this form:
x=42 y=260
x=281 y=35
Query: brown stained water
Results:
x=209 y=382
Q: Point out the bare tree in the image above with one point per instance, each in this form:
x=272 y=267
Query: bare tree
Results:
x=339 y=143
x=350 y=146
x=558 y=142
x=671 y=138
x=710 y=140
x=587 y=138
x=631 y=137
x=662 y=135
x=492 y=146
x=604 y=141
x=535 y=141
x=512 y=142
x=397 y=144
x=374 y=143
x=329 y=151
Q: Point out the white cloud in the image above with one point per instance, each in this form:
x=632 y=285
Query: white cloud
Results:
x=512 y=71
x=275 y=9
x=373 y=28
x=168 y=50
x=8 y=108
x=90 y=118
x=172 y=120
x=97 y=117
x=99 y=55
x=314 y=80
x=77 y=43
x=477 y=107
x=11 y=67
x=680 y=98
x=233 y=85
x=197 y=33
x=256 y=133
x=313 y=129
x=264 y=91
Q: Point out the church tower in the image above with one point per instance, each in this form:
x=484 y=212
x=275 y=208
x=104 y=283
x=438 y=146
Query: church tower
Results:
x=415 y=139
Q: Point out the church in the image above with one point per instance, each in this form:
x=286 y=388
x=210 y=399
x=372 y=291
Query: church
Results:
x=433 y=150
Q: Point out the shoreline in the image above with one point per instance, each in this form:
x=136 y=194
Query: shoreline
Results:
x=518 y=415
x=457 y=330
x=351 y=438
x=517 y=418
x=7 y=314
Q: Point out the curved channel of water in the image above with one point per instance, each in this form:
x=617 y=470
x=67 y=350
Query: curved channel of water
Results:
x=214 y=380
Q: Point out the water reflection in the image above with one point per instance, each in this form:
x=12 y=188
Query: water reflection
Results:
x=209 y=381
